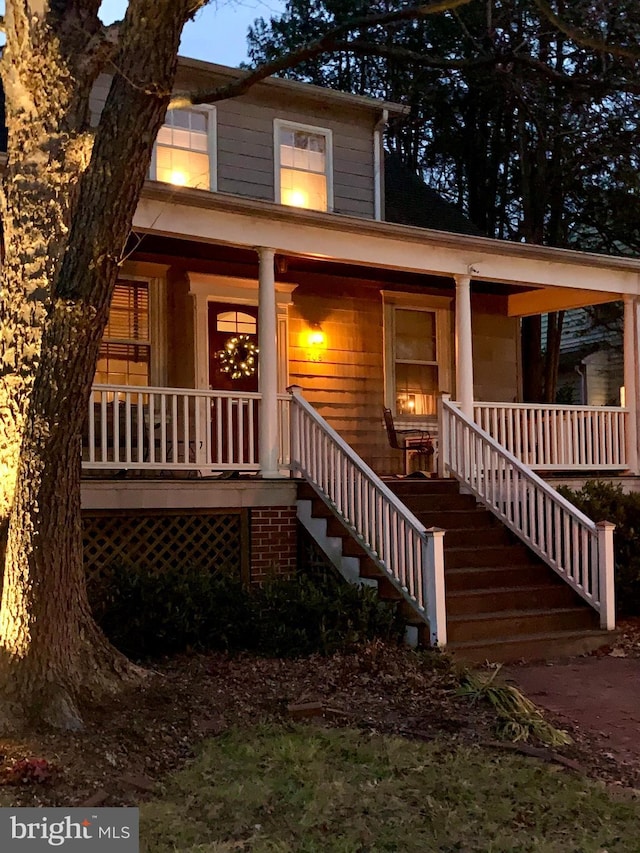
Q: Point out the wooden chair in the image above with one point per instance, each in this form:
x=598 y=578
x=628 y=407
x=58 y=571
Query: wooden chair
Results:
x=407 y=440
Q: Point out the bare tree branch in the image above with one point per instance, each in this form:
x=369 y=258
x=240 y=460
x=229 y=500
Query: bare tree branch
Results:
x=504 y=62
x=324 y=44
x=583 y=38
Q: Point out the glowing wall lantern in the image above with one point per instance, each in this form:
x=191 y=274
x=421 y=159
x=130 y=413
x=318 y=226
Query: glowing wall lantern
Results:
x=315 y=343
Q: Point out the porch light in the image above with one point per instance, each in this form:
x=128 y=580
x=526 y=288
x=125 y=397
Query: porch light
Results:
x=623 y=397
x=315 y=342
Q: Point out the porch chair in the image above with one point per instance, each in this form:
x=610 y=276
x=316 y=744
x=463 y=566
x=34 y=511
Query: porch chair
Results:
x=415 y=441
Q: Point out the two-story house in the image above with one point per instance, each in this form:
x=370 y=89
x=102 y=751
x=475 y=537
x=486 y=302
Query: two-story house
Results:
x=262 y=259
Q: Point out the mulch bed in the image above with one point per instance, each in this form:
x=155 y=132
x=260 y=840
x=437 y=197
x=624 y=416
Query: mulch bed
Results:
x=133 y=742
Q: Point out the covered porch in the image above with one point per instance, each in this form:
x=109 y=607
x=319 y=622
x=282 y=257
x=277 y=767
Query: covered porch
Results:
x=358 y=314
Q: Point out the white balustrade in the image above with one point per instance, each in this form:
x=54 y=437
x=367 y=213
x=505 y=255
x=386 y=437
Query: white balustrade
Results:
x=555 y=437
x=410 y=555
x=175 y=428
x=580 y=551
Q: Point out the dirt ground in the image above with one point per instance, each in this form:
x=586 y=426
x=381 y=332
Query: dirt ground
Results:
x=129 y=745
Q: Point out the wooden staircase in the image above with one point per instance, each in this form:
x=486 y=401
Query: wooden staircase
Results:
x=503 y=602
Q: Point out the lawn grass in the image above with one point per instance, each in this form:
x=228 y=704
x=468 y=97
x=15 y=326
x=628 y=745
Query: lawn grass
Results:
x=306 y=789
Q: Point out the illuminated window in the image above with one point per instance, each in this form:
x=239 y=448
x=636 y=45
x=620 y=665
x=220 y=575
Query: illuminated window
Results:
x=303 y=166
x=236 y=322
x=416 y=364
x=418 y=356
x=184 y=148
x=125 y=351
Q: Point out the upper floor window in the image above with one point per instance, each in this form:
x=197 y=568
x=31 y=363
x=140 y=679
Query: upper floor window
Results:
x=303 y=166
x=185 y=148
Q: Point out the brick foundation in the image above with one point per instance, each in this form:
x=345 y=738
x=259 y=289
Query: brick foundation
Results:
x=273 y=533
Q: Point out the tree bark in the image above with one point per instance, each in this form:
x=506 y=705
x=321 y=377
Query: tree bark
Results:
x=70 y=194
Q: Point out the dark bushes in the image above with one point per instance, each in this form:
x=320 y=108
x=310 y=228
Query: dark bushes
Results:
x=150 y=615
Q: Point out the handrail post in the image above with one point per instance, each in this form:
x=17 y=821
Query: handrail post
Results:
x=433 y=580
x=294 y=427
x=443 y=438
x=606 y=575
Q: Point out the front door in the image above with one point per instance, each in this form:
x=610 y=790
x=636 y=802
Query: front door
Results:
x=233 y=367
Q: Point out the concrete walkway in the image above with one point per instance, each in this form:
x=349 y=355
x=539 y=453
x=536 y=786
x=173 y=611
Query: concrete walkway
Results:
x=600 y=695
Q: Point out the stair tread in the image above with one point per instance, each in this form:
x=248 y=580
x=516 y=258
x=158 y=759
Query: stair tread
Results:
x=547 y=636
x=501 y=615
x=510 y=567
x=472 y=548
x=491 y=590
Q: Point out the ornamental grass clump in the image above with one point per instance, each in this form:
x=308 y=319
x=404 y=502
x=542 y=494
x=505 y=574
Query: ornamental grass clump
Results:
x=518 y=719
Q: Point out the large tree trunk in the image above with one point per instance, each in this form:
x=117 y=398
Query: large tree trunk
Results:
x=69 y=200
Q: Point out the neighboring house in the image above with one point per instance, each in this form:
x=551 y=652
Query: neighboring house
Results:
x=265 y=224
x=591 y=370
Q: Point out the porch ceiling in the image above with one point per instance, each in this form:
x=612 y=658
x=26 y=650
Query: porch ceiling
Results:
x=543 y=300
x=219 y=218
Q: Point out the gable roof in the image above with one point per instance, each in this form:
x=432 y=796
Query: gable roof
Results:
x=409 y=201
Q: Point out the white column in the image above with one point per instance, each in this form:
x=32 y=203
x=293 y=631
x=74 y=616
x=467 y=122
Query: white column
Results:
x=464 y=346
x=631 y=380
x=268 y=362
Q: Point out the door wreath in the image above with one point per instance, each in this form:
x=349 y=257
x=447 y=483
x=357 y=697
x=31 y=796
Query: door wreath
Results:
x=239 y=357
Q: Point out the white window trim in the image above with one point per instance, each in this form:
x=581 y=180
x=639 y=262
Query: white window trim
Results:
x=278 y=125
x=212 y=145
x=442 y=307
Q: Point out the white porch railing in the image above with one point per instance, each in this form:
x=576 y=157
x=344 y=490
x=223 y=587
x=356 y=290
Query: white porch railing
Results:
x=580 y=551
x=176 y=428
x=556 y=437
x=410 y=556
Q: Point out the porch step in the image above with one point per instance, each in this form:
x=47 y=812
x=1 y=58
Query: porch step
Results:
x=487 y=555
x=455 y=519
x=496 y=599
x=502 y=624
x=532 y=647
x=483 y=578
x=478 y=537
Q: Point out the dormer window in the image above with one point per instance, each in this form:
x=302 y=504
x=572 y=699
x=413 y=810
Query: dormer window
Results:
x=303 y=166
x=185 y=149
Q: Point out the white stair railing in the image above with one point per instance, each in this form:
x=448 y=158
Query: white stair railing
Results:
x=410 y=556
x=556 y=437
x=580 y=551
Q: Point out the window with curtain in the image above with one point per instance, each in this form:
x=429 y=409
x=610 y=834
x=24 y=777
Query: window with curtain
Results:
x=415 y=361
x=125 y=351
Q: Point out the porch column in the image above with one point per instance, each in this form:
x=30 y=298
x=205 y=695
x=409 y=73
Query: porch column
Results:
x=631 y=380
x=268 y=365
x=464 y=347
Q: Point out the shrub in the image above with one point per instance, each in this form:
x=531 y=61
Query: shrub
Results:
x=605 y=502
x=320 y=614
x=149 y=615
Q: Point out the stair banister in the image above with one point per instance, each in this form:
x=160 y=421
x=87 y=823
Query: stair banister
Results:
x=411 y=557
x=578 y=550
